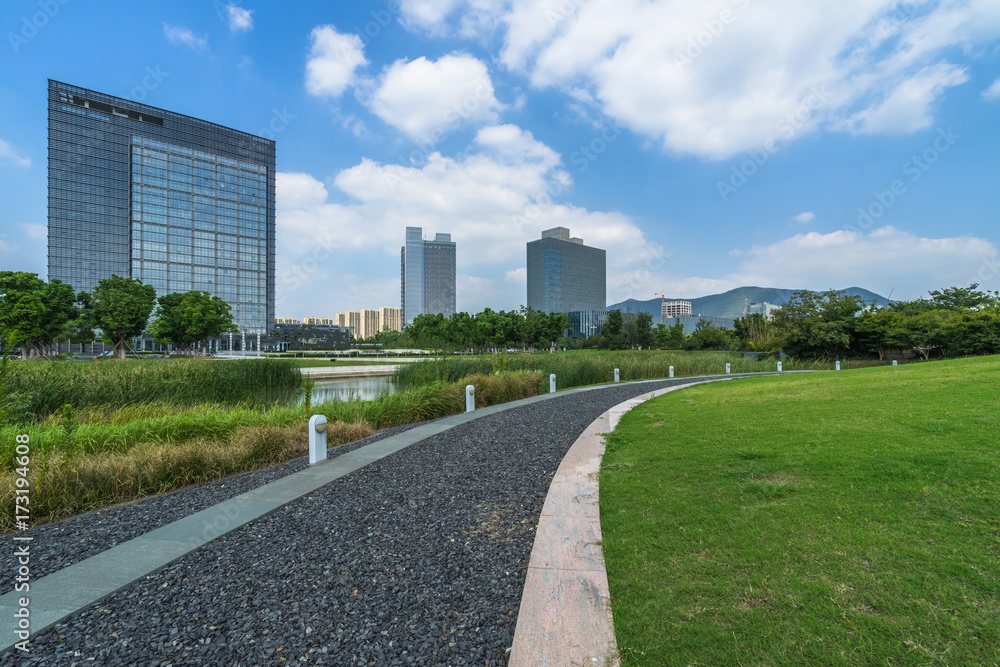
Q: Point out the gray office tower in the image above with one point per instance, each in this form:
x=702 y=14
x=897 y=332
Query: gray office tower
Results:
x=427 y=275
x=176 y=202
x=565 y=276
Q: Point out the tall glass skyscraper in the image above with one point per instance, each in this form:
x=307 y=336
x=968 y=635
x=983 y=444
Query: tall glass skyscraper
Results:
x=176 y=202
x=427 y=275
x=565 y=276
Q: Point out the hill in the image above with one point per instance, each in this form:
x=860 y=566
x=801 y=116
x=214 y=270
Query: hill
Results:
x=730 y=304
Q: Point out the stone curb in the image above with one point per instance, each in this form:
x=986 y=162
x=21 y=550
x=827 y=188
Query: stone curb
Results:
x=565 y=613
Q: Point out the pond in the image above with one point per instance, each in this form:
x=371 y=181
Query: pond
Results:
x=365 y=388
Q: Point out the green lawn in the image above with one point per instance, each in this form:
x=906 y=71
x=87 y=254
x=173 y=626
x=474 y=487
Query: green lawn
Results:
x=847 y=518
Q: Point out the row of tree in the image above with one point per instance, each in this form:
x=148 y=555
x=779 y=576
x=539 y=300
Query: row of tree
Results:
x=957 y=321
x=35 y=315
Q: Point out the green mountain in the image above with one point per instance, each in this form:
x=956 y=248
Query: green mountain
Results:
x=731 y=303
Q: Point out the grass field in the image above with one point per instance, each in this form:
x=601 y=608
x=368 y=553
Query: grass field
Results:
x=816 y=519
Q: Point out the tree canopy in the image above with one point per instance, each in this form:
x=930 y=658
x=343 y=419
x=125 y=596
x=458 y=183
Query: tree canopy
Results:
x=121 y=308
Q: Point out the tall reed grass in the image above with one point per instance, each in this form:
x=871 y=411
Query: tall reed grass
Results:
x=104 y=455
x=38 y=390
x=577 y=369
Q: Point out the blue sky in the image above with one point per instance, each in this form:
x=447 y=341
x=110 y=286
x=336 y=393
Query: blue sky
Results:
x=704 y=145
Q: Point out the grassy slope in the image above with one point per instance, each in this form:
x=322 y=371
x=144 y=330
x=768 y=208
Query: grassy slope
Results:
x=826 y=518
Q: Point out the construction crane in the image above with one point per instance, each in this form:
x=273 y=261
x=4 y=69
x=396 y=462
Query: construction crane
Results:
x=663 y=300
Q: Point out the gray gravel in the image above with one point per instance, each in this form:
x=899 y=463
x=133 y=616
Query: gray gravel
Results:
x=418 y=558
x=63 y=543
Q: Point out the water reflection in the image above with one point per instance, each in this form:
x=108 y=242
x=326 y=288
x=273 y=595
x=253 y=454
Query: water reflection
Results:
x=365 y=388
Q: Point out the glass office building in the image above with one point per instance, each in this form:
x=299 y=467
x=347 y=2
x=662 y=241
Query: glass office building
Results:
x=565 y=276
x=176 y=202
x=427 y=275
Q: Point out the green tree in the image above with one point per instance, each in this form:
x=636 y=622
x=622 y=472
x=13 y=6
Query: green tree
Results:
x=33 y=313
x=707 y=336
x=962 y=298
x=671 y=337
x=186 y=318
x=121 y=308
x=818 y=324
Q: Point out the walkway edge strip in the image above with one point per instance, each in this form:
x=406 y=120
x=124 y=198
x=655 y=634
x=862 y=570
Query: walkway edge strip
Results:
x=565 y=614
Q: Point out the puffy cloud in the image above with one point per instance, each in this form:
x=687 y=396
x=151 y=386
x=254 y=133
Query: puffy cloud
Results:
x=993 y=92
x=805 y=217
x=882 y=259
x=493 y=199
x=426 y=99
x=333 y=59
x=908 y=107
x=718 y=77
x=240 y=19
x=35 y=231
x=9 y=152
x=185 y=37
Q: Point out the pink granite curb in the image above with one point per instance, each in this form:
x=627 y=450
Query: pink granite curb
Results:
x=565 y=615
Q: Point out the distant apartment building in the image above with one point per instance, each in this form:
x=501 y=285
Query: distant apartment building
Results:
x=318 y=321
x=354 y=321
x=391 y=319
x=287 y=321
x=426 y=275
x=763 y=308
x=674 y=309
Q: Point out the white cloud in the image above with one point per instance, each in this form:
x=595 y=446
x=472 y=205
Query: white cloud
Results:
x=180 y=35
x=993 y=92
x=805 y=217
x=493 y=199
x=240 y=19
x=908 y=107
x=426 y=99
x=9 y=152
x=883 y=259
x=518 y=276
x=719 y=77
x=333 y=58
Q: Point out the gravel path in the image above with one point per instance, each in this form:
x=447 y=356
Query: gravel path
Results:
x=63 y=543
x=418 y=558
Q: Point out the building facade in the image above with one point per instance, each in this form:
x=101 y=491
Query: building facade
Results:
x=584 y=323
x=176 y=202
x=564 y=275
x=763 y=308
x=391 y=318
x=426 y=275
x=674 y=309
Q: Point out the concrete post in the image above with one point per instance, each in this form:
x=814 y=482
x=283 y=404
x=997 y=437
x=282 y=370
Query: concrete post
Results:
x=616 y=375
x=317 y=439
x=552 y=383
x=671 y=371
x=258 y=345
x=243 y=343
x=470 y=398
x=779 y=366
x=838 y=364
x=728 y=371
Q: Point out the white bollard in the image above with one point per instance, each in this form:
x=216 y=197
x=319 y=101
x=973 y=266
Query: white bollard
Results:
x=893 y=362
x=470 y=398
x=838 y=365
x=779 y=366
x=671 y=371
x=552 y=383
x=616 y=375
x=727 y=369
x=317 y=439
